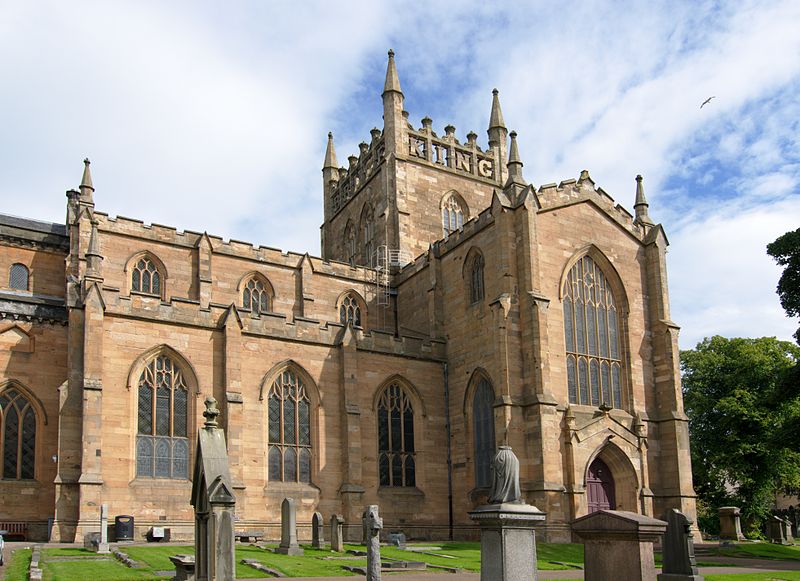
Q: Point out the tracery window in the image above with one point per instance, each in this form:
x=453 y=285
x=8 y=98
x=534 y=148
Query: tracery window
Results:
x=145 y=277
x=452 y=215
x=18 y=434
x=396 y=437
x=483 y=428
x=476 y=292
x=289 y=456
x=256 y=296
x=162 y=444
x=18 y=277
x=350 y=310
x=591 y=329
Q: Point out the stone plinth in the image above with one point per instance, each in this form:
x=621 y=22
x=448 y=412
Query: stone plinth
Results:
x=618 y=545
x=508 y=541
x=730 y=527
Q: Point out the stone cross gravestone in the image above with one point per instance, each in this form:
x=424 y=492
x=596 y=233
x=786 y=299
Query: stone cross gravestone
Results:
x=508 y=541
x=679 y=563
x=730 y=528
x=317 y=531
x=373 y=524
x=289 y=544
x=213 y=501
x=337 y=539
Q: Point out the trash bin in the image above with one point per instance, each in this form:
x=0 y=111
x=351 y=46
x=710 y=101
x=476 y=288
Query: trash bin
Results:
x=123 y=527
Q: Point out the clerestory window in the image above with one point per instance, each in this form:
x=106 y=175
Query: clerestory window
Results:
x=396 y=462
x=350 y=310
x=162 y=444
x=452 y=215
x=18 y=277
x=591 y=329
x=289 y=455
x=256 y=296
x=145 y=277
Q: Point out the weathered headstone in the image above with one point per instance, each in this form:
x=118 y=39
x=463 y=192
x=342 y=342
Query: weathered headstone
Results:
x=398 y=539
x=508 y=540
x=214 y=503
x=679 y=563
x=289 y=544
x=102 y=547
x=337 y=539
x=317 y=531
x=373 y=524
x=788 y=531
x=776 y=530
x=618 y=545
x=730 y=528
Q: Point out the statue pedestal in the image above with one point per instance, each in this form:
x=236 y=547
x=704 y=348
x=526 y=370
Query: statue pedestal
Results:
x=508 y=541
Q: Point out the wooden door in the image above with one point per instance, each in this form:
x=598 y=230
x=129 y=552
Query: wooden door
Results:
x=600 y=487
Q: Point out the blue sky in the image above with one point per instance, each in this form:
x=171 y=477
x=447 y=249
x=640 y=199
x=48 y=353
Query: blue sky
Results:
x=213 y=117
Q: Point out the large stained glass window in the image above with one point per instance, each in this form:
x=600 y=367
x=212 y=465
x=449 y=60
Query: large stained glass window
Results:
x=591 y=329
x=18 y=421
x=396 y=462
x=483 y=430
x=289 y=421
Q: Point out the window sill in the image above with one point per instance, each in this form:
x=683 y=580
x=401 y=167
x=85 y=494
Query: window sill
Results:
x=406 y=491
x=297 y=488
x=147 y=482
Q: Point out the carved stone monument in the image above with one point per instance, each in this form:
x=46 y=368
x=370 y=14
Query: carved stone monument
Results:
x=289 y=544
x=679 y=563
x=102 y=547
x=337 y=538
x=776 y=530
x=618 y=545
x=373 y=524
x=730 y=528
x=317 y=531
x=508 y=540
x=213 y=501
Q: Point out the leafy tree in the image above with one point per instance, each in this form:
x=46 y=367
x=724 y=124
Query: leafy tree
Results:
x=786 y=252
x=742 y=397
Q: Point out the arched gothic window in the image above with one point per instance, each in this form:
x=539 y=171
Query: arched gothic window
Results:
x=452 y=215
x=18 y=277
x=256 y=296
x=18 y=422
x=350 y=310
x=350 y=244
x=483 y=428
x=369 y=238
x=476 y=292
x=591 y=329
x=162 y=444
x=145 y=277
x=289 y=456
x=396 y=437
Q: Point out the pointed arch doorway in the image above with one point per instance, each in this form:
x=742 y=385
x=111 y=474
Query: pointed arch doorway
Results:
x=600 y=489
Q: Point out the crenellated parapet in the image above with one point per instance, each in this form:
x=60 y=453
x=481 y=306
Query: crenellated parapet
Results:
x=361 y=169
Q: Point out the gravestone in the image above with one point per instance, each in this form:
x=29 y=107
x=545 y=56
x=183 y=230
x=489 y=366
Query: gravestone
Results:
x=618 y=545
x=679 y=563
x=289 y=544
x=373 y=524
x=508 y=540
x=102 y=547
x=337 y=539
x=317 y=531
x=213 y=501
x=398 y=539
x=776 y=530
x=730 y=528
x=788 y=531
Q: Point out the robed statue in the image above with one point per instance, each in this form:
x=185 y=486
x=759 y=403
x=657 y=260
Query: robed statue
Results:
x=505 y=477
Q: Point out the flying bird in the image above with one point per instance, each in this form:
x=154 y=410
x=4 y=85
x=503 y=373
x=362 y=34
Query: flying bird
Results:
x=707 y=101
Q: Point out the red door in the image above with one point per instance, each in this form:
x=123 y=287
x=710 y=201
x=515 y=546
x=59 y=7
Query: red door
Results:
x=600 y=487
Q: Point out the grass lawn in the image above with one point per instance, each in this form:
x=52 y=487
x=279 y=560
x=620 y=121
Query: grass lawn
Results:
x=17 y=565
x=760 y=551
x=780 y=576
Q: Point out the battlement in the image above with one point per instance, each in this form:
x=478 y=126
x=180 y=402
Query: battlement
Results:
x=362 y=167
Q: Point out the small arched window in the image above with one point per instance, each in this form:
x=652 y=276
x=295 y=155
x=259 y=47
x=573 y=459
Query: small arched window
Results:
x=18 y=277
x=591 y=329
x=350 y=310
x=145 y=277
x=289 y=455
x=483 y=428
x=452 y=215
x=476 y=291
x=256 y=296
x=396 y=462
x=18 y=421
x=162 y=444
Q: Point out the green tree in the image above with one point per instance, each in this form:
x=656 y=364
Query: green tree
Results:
x=786 y=252
x=743 y=401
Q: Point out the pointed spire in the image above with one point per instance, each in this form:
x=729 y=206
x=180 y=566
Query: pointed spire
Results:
x=330 y=154
x=392 y=80
x=514 y=163
x=93 y=257
x=640 y=206
x=496 y=118
x=86 y=187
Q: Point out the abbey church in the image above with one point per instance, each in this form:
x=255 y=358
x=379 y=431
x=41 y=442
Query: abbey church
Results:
x=454 y=308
